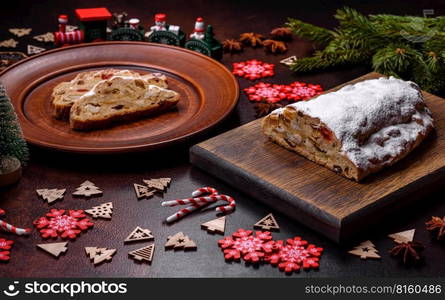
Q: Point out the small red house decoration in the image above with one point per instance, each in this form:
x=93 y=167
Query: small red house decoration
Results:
x=94 y=23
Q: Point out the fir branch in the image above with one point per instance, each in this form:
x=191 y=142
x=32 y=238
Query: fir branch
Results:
x=408 y=47
x=324 y=59
x=311 y=32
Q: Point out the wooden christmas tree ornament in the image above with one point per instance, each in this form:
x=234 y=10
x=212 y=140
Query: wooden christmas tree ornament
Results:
x=20 y=31
x=54 y=249
x=267 y=223
x=87 y=189
x=216 y=225
x=179 y=241
x=99 y=255
x=51 y=195
x=365 y=250
x=46 y=38
x=104 y=211
x=159 y=184
x=31 y=49
x=142 y=192
x=288 y=61
x=11 y=43
x=139 y=234
x=403 y=236
x=143 y=254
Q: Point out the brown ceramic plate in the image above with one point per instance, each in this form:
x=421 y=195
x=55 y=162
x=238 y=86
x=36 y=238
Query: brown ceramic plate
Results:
x=208 y=91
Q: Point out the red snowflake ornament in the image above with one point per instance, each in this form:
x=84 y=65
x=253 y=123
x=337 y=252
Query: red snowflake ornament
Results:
x=58 y=223
x=253 y=69
x=297 y=91
x=4 y=255
x=242 y=244
x=5 y=245
x=265 y=91
x=296 y=254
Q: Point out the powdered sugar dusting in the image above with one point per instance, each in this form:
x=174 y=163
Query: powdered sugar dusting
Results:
x=374 y=119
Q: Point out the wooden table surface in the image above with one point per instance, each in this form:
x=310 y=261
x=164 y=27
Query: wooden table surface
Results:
x=116 y=174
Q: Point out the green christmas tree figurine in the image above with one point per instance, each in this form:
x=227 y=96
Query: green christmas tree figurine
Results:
x=12 y=143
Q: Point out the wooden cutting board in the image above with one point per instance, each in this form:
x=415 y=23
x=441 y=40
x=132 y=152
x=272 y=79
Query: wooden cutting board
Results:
x=313 y=195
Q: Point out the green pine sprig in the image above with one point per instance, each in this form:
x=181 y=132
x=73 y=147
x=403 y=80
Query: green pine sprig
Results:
x=408 y=47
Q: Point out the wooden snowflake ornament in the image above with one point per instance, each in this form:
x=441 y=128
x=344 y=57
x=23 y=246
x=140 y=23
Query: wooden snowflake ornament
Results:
x=267 y=223
x=66 y=225
x=215 y=226
x=179 y=241
x=142 y=191
x=268 y=92
x=403 y=236
x=99 y=255
x=87 y=189
x=253 y=69
x=144 y=254
x=242 y=244
x=55 y=249
x=51 y=195
x=294 y=255
x=139 y=234
x=365 y=250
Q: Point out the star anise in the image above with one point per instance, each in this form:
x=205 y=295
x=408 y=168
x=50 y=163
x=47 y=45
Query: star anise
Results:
x=274 y=46
x=251 y=39
x=264 y=108
x=409 y=252
x=282 y=33
x=437 y=224
x=232 y=45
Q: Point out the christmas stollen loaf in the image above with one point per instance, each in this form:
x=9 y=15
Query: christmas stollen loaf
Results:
x=119 y=98
x=356 y=130
x=65 y=94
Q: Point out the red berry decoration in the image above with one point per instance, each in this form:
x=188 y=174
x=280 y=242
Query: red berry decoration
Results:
x=57 y=223
x=271 y=93
x=242 y=244
x=253 y=69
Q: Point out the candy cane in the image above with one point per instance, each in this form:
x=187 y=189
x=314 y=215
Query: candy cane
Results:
x=198 y=202
x=10 y=228
x=228 y=207
x=204 y=190
x=183 y=212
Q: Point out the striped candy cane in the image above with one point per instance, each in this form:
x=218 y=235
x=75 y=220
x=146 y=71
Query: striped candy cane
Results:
x=204 y=190
x=10 y=228
x=183 y=212
x=198 y=202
